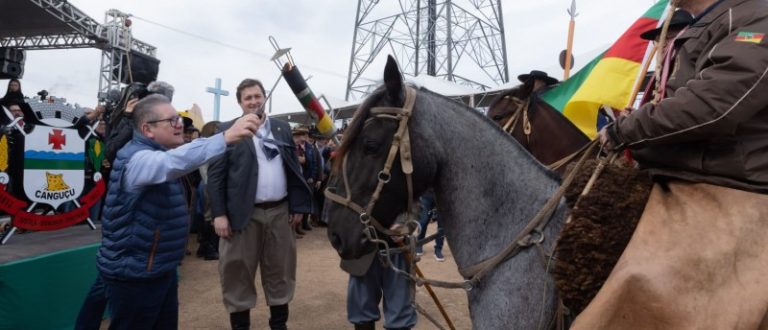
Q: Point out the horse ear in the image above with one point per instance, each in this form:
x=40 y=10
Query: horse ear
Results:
x=393 y=80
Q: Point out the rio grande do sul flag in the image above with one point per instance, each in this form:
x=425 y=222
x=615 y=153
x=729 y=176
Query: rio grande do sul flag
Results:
x=608 y=79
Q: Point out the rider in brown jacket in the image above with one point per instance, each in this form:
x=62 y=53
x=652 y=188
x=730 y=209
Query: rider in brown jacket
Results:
x=713 y=127
x=697 y=257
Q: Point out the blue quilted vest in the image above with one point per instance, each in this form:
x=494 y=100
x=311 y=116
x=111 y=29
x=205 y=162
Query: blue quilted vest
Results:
x=144 y=232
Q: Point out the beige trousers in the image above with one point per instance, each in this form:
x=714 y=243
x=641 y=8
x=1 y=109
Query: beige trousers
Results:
x=269 y=241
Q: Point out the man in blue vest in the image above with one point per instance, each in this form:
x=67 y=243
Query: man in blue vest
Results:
x=145 y=221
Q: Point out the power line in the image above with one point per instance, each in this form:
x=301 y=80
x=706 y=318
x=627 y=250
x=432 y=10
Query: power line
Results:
x=255 y=53
x=237 y=48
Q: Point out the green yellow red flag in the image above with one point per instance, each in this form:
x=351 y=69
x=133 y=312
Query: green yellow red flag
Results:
x=607 y=79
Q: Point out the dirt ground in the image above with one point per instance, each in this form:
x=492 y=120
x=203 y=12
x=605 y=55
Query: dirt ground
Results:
x=320 y=301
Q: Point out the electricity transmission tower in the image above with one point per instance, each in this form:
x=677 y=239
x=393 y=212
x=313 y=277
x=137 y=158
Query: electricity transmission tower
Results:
x=457 y=40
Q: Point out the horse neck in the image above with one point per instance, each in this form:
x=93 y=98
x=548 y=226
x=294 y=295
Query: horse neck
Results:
x=487 y=186
x=553 y=137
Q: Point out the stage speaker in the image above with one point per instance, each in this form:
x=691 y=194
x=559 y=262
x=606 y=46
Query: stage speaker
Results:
x=143 y=68
x=11 y=70
x=12 y=55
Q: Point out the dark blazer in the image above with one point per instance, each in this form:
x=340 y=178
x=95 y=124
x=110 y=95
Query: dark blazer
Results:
x=233 y=176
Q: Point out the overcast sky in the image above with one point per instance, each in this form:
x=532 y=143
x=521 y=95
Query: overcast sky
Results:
x=320 y=33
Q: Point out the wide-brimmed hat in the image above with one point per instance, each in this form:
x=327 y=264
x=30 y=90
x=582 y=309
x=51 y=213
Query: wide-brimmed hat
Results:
x=300 y=130
x=680 y=19
x=540 y=75
x=315 y=133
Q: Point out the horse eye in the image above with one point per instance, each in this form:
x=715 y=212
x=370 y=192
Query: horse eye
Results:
x=371 y=147
x=498 y=117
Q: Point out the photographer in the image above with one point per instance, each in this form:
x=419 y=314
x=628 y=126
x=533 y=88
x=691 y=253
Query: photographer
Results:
x=119 y=131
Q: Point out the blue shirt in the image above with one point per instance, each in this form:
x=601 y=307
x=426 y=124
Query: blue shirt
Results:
x=148 y=167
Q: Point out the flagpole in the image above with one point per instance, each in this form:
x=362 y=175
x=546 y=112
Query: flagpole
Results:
x=660 y=53
x=651 y=51
x=641 y=76
x=569 y=48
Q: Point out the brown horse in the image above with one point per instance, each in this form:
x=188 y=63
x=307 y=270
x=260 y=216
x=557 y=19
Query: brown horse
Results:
x=541 y=129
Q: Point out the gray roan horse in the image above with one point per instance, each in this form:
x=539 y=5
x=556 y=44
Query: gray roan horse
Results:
x=486 y=184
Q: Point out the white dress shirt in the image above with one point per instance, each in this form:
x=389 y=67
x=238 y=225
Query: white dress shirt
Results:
x=272 y=185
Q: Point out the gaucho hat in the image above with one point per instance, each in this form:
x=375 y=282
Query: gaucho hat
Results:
x=536 y=74
x=680 y=19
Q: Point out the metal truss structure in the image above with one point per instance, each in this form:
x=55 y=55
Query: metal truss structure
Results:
x=457 y=40
x=64 y=27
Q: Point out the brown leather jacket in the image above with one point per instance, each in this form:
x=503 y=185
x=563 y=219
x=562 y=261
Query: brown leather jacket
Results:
x=713 y=127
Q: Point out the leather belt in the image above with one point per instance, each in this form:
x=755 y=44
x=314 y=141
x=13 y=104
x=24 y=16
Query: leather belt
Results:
x=270 y=205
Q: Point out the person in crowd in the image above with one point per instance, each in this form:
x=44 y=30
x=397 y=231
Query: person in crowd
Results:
x=15 y=139
x=258 y=196
x=118 y=131
x=13 y=93
x=427 y=212
x=301 y=155
x=119 y=123
x=191 y=133
x=191 y=182
x=538 y=81
x=308 y=160
x=15 y=108
x=317 y=174
x=208 y=241
x=370 y=282
x=145 y=221
x=324 y=148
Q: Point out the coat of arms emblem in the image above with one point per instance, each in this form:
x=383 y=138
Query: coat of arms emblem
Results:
x=43 y=166
x=54 y=164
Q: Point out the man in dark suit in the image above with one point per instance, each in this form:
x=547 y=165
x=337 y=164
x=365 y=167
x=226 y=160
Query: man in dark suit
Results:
x=257 y=195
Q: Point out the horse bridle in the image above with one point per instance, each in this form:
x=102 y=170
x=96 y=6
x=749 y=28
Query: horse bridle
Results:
x=522 y=107
x=401 y=143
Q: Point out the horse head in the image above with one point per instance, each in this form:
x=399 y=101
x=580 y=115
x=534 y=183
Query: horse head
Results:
x=368 y=187
x=503 y=108
x=541 y=129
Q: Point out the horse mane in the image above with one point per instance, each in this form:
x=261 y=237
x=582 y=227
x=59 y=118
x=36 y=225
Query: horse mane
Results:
x=356 y=126
x=501 y=96
x=497 y=130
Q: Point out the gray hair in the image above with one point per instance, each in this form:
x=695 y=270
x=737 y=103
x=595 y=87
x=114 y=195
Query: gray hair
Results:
x=144 y=110
x=161 y=87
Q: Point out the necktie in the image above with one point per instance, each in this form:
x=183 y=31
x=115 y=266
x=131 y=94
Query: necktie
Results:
x=269 y=146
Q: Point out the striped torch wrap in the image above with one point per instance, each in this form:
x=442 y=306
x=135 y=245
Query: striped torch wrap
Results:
x=308 y=100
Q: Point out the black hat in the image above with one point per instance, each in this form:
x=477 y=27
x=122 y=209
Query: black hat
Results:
x=315 y=133
x=680 y=19
x=188 y=124
x=540 y=75
x=300 y=130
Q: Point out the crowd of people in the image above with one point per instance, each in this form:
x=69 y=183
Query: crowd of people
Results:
x=166 y=178
x=160 y=167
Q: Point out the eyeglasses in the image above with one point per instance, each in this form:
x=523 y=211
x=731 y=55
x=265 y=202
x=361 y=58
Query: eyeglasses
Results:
x=175 y=121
